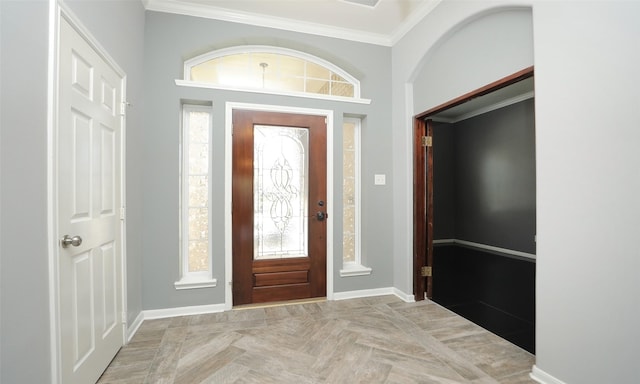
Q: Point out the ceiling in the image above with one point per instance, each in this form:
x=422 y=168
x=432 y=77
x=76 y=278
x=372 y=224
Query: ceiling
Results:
x=381 y=22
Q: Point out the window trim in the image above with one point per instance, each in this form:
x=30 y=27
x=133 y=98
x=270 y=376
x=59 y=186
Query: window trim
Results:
x=201 y=279
x=356 y=268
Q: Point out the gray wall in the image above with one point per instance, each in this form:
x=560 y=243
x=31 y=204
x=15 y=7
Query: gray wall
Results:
x=171 y=39
x=24 y=273
x=495 y=175
x=587 y=181
x=588 y=186
x=24 y=280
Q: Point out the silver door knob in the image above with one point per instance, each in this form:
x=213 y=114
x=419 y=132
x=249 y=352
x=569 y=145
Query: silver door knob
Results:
x=68 y=240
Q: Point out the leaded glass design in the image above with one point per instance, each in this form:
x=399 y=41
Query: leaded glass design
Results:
x=281 y=165
x=196 y=149
x=349 y=192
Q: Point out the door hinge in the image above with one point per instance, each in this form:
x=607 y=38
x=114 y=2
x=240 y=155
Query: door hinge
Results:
x=123 y=213
x=123 y=107
x=426 y=271
x=427 y=141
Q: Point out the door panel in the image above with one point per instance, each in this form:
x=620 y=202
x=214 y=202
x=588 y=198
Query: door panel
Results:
x=88 y=181
x=279 y=184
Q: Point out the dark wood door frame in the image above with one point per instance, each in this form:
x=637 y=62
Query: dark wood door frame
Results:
x=423 y=181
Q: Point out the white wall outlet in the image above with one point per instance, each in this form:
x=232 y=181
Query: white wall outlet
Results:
x=379 y=179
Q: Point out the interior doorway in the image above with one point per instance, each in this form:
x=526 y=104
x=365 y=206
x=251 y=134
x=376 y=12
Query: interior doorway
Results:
x=279 y=206
x=479 y=155
x=423 y=176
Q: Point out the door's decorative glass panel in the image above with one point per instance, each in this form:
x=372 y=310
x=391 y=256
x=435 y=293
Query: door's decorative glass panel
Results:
x=281 y=164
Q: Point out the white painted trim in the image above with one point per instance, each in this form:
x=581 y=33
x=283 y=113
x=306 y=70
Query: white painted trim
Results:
x=197 y=84
x=151 y=314
x=363 y=293
x=487 y=247
x=493 y=107
x=350 y=270
x=217 y=13
x=131 y=331
x=52 y=207
x=195 y=284
x=57 y=10
x=188 y=279
x=406 y=297
x=361 y=4
x=123 y=204
x=229 y=107
x=356 y=268
x=228 y=190
x=407 y=193
x=212 y=12
x=543 y=377
x=374 y=292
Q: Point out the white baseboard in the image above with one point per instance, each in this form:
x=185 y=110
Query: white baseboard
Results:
x=362 y=293
x=543 y=377
x=182 y=311
x=406 y=297
x=373 y=292
x=134 y=326
x=213 y=308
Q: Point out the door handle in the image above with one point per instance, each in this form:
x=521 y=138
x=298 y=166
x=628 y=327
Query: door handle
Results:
x=321 y=216
x=68 y=240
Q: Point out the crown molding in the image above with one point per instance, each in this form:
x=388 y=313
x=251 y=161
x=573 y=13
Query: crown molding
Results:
x=212 y=12
x=413 y=19
x=217 y=13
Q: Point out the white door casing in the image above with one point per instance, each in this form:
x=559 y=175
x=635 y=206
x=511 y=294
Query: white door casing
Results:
x=87 y=174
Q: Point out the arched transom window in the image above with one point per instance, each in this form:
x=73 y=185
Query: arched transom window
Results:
x=271 y=69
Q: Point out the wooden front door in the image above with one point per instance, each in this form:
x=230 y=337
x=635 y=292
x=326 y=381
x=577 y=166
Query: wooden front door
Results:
x=279 y=206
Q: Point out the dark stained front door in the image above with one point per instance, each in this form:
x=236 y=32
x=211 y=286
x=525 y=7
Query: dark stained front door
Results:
x=279 y=206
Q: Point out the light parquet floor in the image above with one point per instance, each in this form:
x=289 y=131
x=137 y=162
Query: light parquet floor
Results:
x=368 y=340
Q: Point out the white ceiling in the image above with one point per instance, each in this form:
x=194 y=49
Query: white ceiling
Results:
x=383 y=24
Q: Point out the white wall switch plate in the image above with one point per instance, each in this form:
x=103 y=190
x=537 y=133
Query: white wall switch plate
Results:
x=379 y=179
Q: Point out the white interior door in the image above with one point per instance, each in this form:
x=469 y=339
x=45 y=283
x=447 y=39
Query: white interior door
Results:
x=88 y=180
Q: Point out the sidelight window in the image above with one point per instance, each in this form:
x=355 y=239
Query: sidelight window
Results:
x=351 y=245
x=195 y=196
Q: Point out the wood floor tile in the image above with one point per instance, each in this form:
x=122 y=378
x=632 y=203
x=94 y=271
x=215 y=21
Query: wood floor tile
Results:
x=367 y=340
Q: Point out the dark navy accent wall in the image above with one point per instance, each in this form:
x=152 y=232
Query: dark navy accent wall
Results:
x=495 y=178
x=493 y=290
x=484 y=178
